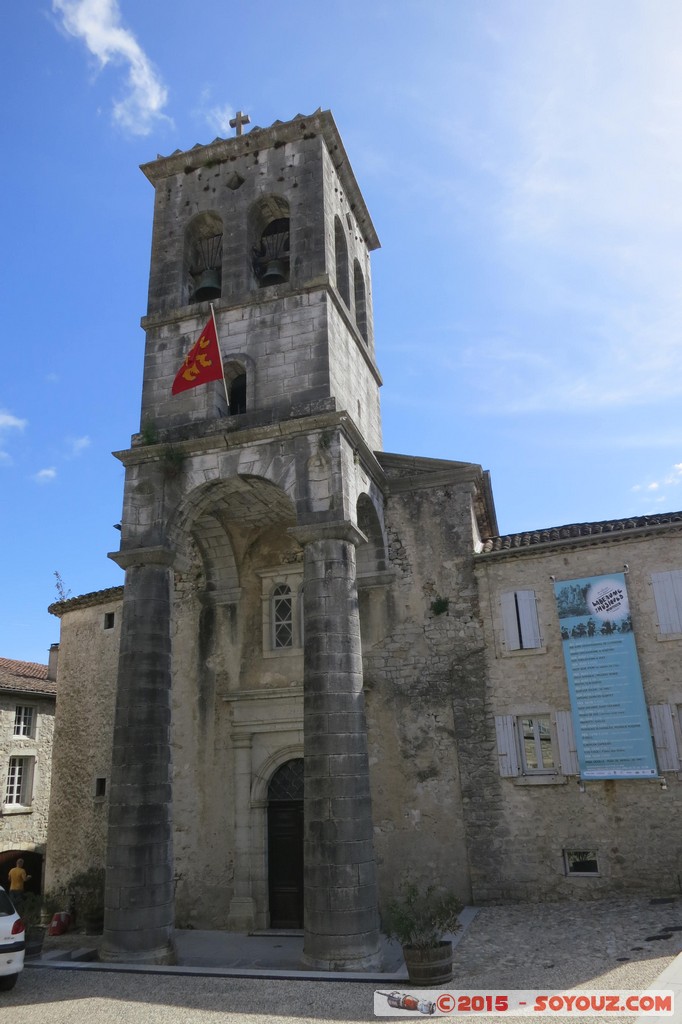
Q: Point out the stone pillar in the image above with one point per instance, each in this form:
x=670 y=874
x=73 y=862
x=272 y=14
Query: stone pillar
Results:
x=340 y=907
x=242 y=915
x=139 y=897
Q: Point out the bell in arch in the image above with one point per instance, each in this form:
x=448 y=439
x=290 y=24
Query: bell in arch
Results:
x=208 y=285
x=275 y=272
x=272 y=258
x=208 y=268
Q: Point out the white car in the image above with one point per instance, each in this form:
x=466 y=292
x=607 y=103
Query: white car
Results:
x=12 y=943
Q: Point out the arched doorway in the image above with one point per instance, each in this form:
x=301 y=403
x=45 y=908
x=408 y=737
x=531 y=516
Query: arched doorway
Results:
x=33 y=864
x=285 y=845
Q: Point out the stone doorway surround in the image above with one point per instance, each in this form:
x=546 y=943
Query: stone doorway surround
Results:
x=267 y=731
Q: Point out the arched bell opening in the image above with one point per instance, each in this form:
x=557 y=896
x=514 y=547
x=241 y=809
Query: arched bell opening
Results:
x=203 y=258
x=341 y=261
x=269 y=230
x=360 y=296
x=285 y=845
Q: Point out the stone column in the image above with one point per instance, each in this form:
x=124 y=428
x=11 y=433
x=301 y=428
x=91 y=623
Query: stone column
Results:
x=242 y=915
x=139 y=898
x=340 y=907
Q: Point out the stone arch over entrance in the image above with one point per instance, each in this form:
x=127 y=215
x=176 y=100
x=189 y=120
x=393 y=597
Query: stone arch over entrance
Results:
x=233 y=699
x=252 y=499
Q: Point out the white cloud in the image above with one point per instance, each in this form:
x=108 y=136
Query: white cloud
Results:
x=219 y=119
x=98 y=24
x=8 y=421
x=671 y=479
x=591 y=195
x=45 y=476
x=78 y=445
x=561 y=151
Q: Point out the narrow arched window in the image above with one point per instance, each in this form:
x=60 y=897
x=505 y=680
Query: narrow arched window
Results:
x=360 y=300
x=282 y=617
x=341 y=257
x=236 y=390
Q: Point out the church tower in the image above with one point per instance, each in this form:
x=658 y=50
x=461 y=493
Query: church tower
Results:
x=252 y=505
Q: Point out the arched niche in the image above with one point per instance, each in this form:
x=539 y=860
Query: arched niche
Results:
x=270 y=245
x=360 y=297
x=203 y=258
x=341 y=261
x=371 y=556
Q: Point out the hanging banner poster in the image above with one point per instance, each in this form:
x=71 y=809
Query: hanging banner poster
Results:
x=613 y=736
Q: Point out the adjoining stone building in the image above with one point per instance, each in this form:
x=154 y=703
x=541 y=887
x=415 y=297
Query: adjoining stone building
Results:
x=311 y=682
x=27 y=711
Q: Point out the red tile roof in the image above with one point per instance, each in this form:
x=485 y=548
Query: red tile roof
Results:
x=555 y=534
x=26 y=676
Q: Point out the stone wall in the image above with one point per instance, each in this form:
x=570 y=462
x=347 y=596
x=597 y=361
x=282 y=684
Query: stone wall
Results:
x=26 y=828
x=86 y=687
x=630 y=824
x=424 y=685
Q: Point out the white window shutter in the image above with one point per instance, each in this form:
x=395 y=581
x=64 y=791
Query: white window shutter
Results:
x=30 y=777
x=507 y=747
x=568 y=753
x=668 y=596
x=528 y=617
x=510 y=622
x=664 y=737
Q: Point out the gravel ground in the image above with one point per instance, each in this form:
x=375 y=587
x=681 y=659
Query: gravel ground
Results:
x=609 y=945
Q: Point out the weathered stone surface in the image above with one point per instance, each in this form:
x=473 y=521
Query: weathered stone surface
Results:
x=329 y=574
x=141 y=752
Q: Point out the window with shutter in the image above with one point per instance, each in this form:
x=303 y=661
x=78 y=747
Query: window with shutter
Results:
x=663 y=731
x=668 y=597
x=19 y=786
x=531 y=750
x=520 y=622
x=568 y=753
x=505 y=731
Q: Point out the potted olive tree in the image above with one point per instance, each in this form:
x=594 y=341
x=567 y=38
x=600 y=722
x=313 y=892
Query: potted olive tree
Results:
x=419 y=919
x=87 y=891
x=31 y=915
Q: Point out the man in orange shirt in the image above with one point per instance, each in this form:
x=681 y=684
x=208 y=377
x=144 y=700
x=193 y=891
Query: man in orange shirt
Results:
x=17 y=879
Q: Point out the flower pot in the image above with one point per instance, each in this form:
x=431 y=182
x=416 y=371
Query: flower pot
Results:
x=430 y=967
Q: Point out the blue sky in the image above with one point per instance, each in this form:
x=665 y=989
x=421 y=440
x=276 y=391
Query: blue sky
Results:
x=522 y=162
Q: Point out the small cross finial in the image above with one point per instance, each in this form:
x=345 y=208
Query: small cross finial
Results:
x=239 y=120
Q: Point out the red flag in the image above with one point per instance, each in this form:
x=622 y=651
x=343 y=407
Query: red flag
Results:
x=203 y=363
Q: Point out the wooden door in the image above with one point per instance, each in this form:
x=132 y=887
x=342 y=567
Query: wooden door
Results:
x=285 y=863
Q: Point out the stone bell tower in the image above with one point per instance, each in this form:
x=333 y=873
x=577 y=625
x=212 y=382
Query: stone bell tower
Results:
x=275 y=463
